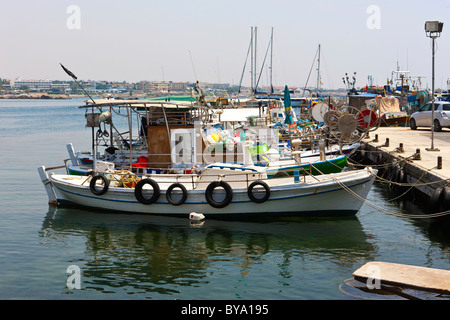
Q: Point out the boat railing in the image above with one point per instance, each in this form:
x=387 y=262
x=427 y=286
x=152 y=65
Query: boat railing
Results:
x=201 y=179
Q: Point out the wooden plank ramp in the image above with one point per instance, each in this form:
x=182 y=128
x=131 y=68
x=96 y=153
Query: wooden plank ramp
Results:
x=413 y=277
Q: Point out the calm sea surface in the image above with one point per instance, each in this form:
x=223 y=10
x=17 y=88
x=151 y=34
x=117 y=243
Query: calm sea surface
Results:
x=124 y=256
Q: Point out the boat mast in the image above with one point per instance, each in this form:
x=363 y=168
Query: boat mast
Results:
x=271 y=60
x=252 y=65
x=256 y=39
x=318 y=72
x=245 y=64
x=263 y=64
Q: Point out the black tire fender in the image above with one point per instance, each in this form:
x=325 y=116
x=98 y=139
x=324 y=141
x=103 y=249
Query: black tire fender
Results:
x=228 y=194
x=445 y=199
x=138 y=191
x=93 y=183
x=252 y=196
x=169 y=194
x=435 y=200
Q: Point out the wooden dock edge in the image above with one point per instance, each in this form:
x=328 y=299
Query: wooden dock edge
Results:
x=413 y=277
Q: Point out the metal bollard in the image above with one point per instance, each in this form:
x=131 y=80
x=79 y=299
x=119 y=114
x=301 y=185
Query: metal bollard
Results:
x=376 y=138
x=417 y=156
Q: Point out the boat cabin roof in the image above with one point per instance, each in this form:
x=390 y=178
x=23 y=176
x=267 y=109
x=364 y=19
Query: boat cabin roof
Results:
x=141 y=104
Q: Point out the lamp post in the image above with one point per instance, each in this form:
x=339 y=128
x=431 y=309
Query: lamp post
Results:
x=433 y=30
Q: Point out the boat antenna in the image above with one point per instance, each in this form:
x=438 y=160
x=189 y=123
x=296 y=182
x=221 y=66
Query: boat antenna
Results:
x=74 y=77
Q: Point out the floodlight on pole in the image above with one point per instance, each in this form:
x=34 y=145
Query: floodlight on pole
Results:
x=433 y=27
x=433 y=30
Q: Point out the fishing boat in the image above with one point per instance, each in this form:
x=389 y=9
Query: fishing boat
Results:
x=217 y=191
x=184 y=171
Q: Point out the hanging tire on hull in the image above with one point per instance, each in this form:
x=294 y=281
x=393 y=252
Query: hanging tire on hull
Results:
x=401 y=178
x=93 y=184
x=140 y=196
x=169 y=194
x=435 y=199
x=252 y=196
x=393 y=177
x=440 y=200
x=445 y=198
x=228 y=194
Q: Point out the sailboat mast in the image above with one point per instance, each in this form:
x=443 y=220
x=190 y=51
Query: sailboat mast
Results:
x=271 y=59
x=318 y=72
x=252 y=65
x=256 y=39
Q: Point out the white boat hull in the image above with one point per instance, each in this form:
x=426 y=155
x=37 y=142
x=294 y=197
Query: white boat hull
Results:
x=325 y=197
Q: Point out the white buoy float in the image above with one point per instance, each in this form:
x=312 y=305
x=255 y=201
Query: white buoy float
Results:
x=196 y=216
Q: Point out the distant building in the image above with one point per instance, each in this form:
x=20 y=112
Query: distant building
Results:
x=61 y=86
x=178 y=86
x=145 y=86
x=163 y=86
x=39 y=85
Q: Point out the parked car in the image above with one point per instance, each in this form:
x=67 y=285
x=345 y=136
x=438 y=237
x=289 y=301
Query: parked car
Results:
x=422 y=118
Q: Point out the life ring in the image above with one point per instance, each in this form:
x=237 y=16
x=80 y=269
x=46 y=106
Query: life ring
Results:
x=169 y=194
x=138 y=191
x=228 y=194
x=93 y=182
x=252 y=196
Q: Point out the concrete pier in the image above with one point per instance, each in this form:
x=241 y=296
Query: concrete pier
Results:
x=408 y=149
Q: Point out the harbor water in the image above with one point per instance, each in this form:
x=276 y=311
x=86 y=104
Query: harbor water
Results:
x=139 y=257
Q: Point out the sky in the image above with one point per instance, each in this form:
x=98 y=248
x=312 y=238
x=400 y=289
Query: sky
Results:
x=207 y=40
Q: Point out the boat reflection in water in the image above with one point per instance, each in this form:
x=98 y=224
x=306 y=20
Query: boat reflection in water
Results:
x=163 y=255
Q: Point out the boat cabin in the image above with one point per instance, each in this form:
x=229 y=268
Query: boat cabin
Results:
x=160 y=135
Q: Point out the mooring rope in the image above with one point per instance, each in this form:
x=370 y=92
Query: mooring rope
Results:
x=402 y=184
x=383 y=165
x=400 y=214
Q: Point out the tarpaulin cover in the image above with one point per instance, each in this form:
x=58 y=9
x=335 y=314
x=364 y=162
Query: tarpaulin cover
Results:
x=388 y=104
